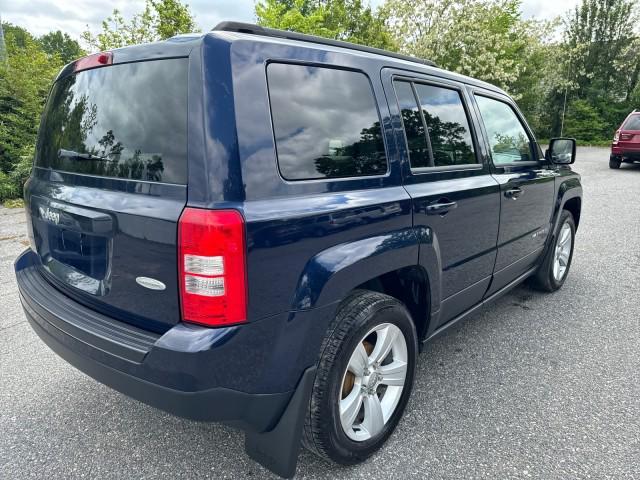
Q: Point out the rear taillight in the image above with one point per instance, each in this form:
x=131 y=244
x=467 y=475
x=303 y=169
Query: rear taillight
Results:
x=91 y=61
x=212 y=267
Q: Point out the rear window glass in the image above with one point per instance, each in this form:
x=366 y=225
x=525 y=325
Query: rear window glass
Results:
x=633 y=123
x=325 y=122
x=124 y=121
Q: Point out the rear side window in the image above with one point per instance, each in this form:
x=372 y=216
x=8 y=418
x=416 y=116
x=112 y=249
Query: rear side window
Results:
x=447 y=125
x=633 y=123
x=413 y=126
x=124 y=121
x=508 y=138
x=325 y=122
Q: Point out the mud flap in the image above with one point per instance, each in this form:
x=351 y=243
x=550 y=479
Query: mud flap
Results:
x=277 y=450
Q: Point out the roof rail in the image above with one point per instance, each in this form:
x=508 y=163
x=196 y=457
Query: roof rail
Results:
x=250 y=28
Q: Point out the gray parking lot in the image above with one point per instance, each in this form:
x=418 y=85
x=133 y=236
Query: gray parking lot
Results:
x=535 y=386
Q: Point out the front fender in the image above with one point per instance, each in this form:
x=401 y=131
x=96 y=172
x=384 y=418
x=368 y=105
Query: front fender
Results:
x=568 y=189
x=331 y=274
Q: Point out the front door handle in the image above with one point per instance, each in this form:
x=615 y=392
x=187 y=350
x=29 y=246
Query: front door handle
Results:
x=441 y=207
x=513 y=193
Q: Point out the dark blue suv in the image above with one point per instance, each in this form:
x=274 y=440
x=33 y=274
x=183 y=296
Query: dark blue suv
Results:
x=263 y=228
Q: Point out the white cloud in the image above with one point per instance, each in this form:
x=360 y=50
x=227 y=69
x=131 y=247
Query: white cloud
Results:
x=72 y=16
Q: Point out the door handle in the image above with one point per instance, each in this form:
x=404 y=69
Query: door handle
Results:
x=513 y=193
x=441 y=208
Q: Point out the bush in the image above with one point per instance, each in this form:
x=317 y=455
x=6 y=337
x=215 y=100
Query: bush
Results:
x=12 y=184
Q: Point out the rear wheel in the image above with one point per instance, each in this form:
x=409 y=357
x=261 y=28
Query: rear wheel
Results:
x=364 y=379
x=555 y=266
x=614 y=161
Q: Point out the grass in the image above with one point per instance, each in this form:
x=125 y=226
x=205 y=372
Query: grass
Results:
x=15 y=203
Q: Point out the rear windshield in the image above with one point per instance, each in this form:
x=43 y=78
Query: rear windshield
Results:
x=124 y=121
x=633 y=123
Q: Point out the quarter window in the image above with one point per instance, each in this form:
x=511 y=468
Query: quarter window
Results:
x=326 y=123
x=508 y=138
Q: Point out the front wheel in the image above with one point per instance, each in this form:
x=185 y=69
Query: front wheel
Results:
x=555 y=266
x=364 y=378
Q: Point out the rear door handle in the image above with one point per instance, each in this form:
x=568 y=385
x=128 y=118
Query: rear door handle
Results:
x=513 y=193
x=441 y=208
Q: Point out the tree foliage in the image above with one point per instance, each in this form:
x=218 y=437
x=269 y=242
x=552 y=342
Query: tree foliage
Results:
x=160 y=19
x=62 y=44
x=349 y=20
x=25 y=79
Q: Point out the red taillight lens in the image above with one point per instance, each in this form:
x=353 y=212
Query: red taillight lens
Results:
x=92 y=61
x=212 y=267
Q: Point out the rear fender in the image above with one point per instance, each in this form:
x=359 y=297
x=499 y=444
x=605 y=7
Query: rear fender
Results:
x=331 y=274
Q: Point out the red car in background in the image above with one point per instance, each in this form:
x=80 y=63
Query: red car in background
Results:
x=626 y=141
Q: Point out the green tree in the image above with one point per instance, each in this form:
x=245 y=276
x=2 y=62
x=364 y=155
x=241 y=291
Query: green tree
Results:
x=159 y=20
x=62 y=44
x=25 y=79
x=584 y=122
x=601 y=66
x=349 y=20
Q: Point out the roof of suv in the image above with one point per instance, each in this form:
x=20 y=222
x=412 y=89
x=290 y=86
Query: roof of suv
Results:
x=246 y=31
x=181 y=46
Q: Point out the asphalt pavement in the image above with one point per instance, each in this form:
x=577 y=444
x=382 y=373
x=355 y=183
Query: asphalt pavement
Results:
x=535 y=386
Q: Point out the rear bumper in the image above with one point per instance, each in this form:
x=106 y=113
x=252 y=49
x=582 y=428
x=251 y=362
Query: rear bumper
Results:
x=190 y=371
x=626 y=152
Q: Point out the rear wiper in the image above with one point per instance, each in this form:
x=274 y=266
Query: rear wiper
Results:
x=62 y=153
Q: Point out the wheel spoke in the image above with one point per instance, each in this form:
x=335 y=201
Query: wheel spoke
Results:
x=385 y=338
x=556 y=268
x=349 y=408
x=373 y=421
x=359 y=361
x=564 y=258
x=565 y=235
x=393 y=374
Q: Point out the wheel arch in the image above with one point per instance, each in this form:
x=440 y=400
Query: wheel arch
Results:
x=386 y=264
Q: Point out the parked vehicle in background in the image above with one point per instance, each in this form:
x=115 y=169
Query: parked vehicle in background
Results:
x=262 y=228
x=626 y=141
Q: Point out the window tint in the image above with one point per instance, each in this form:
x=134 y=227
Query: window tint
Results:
x=508 y=139
x=126 y=121
x=413 y=125
x=326 y=123
x=447 y=125
x=633 y=123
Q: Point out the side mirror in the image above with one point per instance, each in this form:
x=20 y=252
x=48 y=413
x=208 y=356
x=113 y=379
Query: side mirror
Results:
x=561 y=151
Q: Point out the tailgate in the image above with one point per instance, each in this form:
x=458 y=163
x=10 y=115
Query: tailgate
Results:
x=108 y=188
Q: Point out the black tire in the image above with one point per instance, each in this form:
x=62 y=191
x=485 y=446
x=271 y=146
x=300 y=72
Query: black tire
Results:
x=544 y=279
x=358 y=314
x=614 y=162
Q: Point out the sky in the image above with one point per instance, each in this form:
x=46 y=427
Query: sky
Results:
x=73 y=16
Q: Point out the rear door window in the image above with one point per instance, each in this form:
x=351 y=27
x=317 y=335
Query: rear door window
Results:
x=325 y=122
x=447 y=125
x=413 y=126
x=125 y=121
